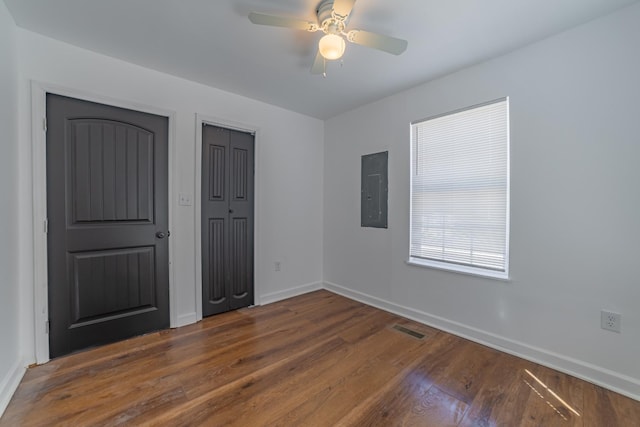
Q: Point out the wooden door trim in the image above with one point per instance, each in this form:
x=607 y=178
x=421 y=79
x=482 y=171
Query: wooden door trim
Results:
x=242 y=127
x=39 y=91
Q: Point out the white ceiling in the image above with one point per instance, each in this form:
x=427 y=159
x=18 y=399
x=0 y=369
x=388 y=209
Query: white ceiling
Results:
x=213 y=42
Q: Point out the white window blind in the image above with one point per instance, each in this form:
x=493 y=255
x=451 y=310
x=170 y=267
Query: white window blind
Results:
x=460 y=190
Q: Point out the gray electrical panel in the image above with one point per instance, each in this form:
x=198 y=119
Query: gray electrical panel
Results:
x=374 y=190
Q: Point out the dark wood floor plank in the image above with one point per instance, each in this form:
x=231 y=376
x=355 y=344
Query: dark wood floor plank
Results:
x=122 y=351
x=204 y=407
x=371 y=322
x=503 y=398
x=557 y=399
x=329 y=372
x=416 y=404
x=318 y=359
x=354 y=379
x=464 y=374
x=605 y=408
x=165 y=358
x=219 y=405
x=412 y=377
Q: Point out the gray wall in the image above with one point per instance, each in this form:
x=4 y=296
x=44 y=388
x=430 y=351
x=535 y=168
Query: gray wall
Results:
x=575 y=202
x=9 y=295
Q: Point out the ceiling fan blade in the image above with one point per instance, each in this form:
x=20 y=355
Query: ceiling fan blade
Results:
x=318 y=65
x=282 y=21
x=378 y=41
x=343 y=7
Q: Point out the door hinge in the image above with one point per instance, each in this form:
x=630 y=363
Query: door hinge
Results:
x=44 y=124
x=46 y=327
x=46 y=226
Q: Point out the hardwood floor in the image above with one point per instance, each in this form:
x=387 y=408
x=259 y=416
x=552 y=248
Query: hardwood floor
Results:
x=315 y=360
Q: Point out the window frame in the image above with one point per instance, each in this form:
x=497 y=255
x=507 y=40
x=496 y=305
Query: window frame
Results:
x=453 y=266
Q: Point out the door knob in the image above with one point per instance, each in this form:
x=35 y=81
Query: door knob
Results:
x=160 y=235
x=230 y=210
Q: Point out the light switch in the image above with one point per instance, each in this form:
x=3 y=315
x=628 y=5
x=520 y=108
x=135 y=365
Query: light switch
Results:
x=185 y=199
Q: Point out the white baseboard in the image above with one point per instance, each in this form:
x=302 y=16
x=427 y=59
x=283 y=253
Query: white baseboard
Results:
x=10 y=383
x=606 y=378
x=190 y=318
x=288 y=293
x=186 y=319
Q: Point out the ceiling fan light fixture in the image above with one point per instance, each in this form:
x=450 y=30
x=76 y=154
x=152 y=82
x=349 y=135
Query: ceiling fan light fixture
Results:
x=331 y=46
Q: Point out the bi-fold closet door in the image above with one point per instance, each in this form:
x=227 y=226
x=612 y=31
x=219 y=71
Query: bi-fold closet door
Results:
x=227 y=219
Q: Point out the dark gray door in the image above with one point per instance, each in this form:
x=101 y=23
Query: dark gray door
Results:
x=107 y=209
x=227 y=219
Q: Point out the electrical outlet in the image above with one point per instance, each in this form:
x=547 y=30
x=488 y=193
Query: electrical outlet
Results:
x=276 y=266
x=610 y=321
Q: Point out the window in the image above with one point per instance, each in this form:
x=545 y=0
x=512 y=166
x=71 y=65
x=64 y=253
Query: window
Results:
x=460 y=190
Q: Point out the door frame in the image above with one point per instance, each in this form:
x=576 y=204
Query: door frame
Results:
x=39 y=91
x=242 y=127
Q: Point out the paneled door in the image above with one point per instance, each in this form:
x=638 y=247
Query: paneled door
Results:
x=107 y=209
x=227 y=219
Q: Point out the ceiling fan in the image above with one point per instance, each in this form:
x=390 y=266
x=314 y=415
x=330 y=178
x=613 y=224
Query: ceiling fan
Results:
x=333 y=17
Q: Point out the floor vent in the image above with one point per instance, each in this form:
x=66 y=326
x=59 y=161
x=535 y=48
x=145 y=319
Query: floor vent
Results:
x=408 y=331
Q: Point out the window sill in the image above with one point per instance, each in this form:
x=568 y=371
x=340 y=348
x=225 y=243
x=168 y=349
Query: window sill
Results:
x=462 y=269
